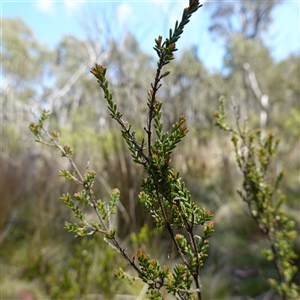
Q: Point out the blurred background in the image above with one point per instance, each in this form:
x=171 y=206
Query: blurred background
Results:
x=247 y=51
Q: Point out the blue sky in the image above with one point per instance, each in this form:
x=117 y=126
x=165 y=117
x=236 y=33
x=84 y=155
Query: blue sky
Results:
x=50 y=20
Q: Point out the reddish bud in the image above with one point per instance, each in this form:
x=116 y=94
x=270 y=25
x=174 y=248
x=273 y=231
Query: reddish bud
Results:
x=159 y=40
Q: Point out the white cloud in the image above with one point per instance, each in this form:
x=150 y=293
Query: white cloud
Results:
x=124 y=12
x=46 y=6
x=72 y=5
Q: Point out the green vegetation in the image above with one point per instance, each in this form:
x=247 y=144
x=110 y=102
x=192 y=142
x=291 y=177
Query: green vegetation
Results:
x=254 y=154
x=154 y=223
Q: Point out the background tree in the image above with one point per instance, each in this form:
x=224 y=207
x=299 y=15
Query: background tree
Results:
x=250 y=19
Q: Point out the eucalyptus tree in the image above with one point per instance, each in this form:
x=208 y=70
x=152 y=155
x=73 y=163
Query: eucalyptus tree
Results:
x=247 y=18
x=24 y=63
x=242 y=25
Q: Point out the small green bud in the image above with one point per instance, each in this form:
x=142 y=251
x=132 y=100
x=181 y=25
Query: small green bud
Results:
x=165 y=74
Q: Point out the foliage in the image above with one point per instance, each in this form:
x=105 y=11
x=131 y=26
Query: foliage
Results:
x=254 y=153
x=164 y=193
x=79 y=277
